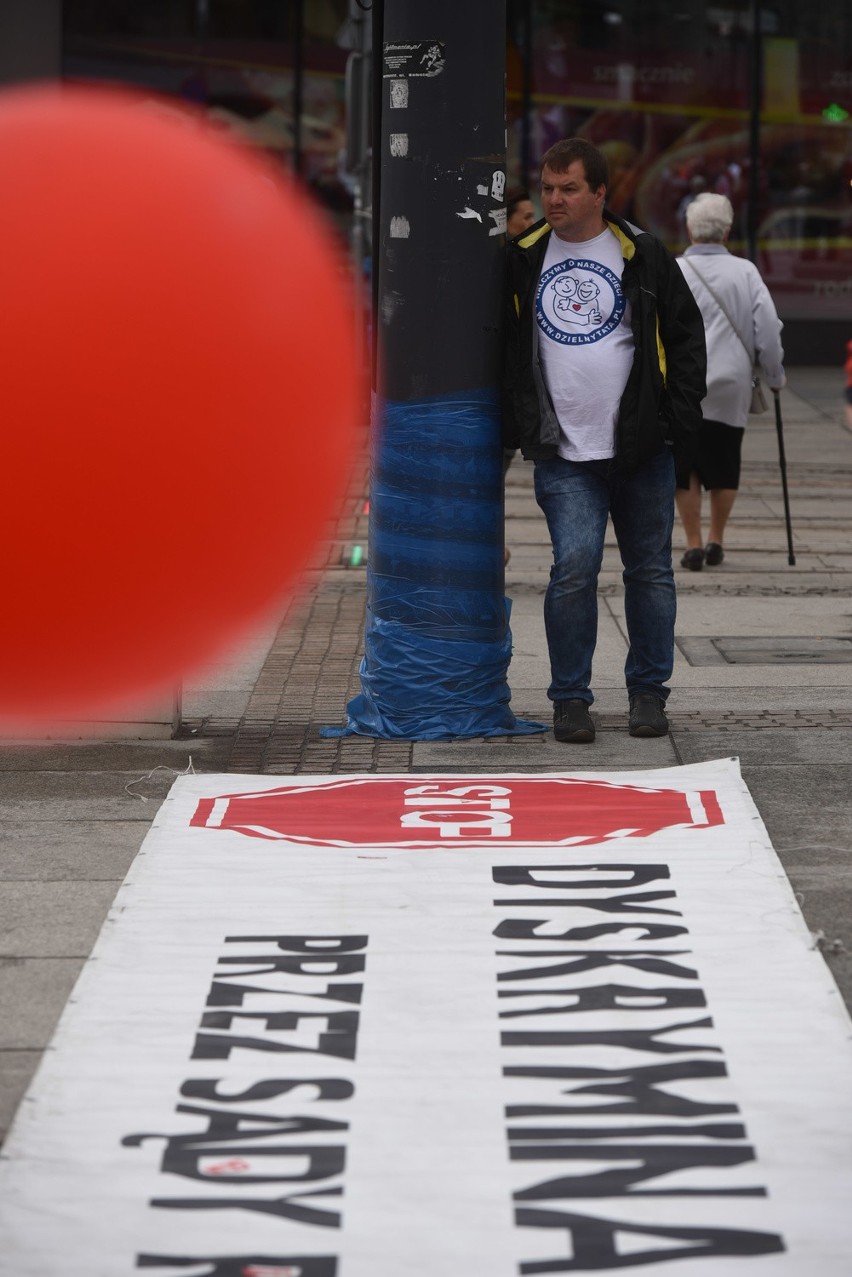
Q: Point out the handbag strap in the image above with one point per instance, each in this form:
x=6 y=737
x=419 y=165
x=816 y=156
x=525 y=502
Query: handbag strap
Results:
x=718 y=300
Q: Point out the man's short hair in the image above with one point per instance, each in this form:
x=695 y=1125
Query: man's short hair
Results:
x=562 y=155
x=709 y=217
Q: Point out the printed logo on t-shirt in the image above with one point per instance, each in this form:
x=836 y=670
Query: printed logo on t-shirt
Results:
x=578 y=301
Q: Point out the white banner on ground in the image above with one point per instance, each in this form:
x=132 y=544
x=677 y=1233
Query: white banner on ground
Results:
x=444 y=1026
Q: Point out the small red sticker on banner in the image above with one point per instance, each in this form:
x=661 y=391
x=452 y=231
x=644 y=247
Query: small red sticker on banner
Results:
x=236 y=1166
x=419 y=811
x=263 y=1270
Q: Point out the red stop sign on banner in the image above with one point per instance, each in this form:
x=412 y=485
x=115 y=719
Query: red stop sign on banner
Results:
x=416 y=811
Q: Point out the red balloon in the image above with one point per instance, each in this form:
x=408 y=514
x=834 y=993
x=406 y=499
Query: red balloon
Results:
x=180 y=392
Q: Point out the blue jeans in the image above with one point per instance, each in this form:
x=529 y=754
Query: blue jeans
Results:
x=576 y=497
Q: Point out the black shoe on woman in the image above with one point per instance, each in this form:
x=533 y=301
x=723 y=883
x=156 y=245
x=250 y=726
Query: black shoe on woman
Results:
x=713 y=554
x=694 y=560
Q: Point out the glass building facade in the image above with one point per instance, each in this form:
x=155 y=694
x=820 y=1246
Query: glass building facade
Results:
x=751 y=99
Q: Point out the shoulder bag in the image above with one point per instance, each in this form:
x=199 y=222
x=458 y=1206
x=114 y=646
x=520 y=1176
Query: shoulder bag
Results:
x=759 y=402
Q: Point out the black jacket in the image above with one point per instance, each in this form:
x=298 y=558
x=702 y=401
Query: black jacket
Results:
x=661 y=402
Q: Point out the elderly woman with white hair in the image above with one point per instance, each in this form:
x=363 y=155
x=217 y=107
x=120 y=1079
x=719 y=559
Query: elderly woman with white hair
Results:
x=742 y=328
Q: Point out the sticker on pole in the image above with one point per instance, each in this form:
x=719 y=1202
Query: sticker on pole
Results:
x=415 y=58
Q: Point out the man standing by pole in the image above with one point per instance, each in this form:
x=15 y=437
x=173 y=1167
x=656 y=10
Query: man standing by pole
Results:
x=605 y=373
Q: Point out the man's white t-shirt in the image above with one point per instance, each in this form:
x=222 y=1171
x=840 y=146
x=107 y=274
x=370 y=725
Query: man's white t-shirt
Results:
x=585 y=341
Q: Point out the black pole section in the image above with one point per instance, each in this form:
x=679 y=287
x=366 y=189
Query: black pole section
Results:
x=782 y=461
x=437 y=642
x=755 y=107
x=201 y=28
x=443 y=162
x=378 y=40
x=526 y=106
x=298 y=85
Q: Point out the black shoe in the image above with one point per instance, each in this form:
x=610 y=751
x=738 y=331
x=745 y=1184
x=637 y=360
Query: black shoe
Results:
x=573 y=722
x=647 y=715
x=694 y=560
x=713 y=554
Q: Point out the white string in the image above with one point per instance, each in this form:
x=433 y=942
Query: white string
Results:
x=189 y=770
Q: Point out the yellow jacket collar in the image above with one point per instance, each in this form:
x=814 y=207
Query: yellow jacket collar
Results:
x=628 y=248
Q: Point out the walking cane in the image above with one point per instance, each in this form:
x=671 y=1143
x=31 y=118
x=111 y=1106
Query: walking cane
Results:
x=791 y=558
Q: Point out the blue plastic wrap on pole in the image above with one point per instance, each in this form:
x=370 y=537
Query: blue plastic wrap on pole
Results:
x=437 y=640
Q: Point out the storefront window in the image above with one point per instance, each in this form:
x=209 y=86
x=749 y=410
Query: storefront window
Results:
x=667 y=91
x=805 y=230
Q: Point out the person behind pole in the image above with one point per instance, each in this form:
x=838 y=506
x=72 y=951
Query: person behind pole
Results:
x=519 y=211
x=741 y=326
x=604 y=377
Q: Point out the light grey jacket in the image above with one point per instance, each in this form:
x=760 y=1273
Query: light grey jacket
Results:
x=749 y=304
